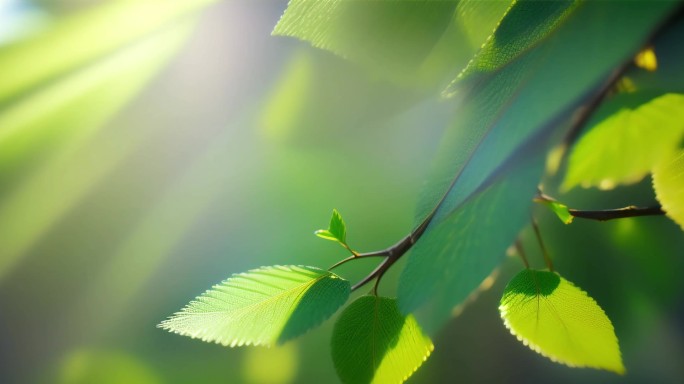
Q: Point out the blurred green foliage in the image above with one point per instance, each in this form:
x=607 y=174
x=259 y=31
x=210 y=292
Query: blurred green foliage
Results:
x=149 y=150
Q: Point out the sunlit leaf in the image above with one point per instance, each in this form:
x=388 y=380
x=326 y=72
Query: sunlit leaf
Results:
x=517 y=34
x=561 y=210
x=261 y=307
x=337 y=226
x=553 y=317
x=325 y=234
x=498 y=137
x=624 y=147
x=479 y=19
x=374 y=343
x=668 y=181
x=412 y=43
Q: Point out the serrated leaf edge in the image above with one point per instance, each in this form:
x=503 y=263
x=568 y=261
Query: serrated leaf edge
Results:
x=537 y=349
x=240 y=343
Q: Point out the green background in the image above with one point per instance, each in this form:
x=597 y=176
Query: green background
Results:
x=228 y=159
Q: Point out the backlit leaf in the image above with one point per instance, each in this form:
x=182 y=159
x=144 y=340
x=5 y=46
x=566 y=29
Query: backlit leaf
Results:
x=517 y=34
x=337 y=227
x=558 y=320
x=412 y=43
x=374 y=343
x=668 y=181
x=261 y=307
x=337 y=230
x=561 y=210
x=624 y=147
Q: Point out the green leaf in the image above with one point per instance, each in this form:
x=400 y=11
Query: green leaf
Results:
x=374 y=343
x=261 y=307
x=337 y=227
x=517 y=34
x=325 y=234
x=558 y=320
x=561 y=210
x=457 y=254
x=412 y=43
x=337 y=230
x=624 y=147
x=668 y=182
x=499 y=140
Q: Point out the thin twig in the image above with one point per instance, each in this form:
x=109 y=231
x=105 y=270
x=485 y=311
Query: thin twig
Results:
x=545 y=253
x=607 y=214
x=619 y=213
x=356 y=256
x=521 y=253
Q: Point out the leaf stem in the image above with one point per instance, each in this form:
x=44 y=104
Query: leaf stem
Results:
x=545 y=253
x=355 y=256
x=353 y=252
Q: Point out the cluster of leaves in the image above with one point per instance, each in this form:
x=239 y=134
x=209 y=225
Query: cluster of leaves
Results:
x=529 y=74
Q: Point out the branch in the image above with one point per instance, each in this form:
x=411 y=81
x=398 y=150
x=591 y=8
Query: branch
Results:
x=619 y=213
x=606 y=214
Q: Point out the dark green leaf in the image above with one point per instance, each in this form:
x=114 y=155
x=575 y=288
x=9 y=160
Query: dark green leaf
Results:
x=457 y=254
x=526 y=24
x=500 y=138
x=374 y=343
x=261 y=307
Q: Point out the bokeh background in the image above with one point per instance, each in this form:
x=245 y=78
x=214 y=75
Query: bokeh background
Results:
x=148 y=150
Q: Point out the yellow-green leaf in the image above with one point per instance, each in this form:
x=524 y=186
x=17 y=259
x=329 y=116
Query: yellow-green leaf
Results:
x=668 y=182
x=624 y=147
x=337 y=230
x=374 y=343
x=261 y=307
x=560 y=321
x=561 y=210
